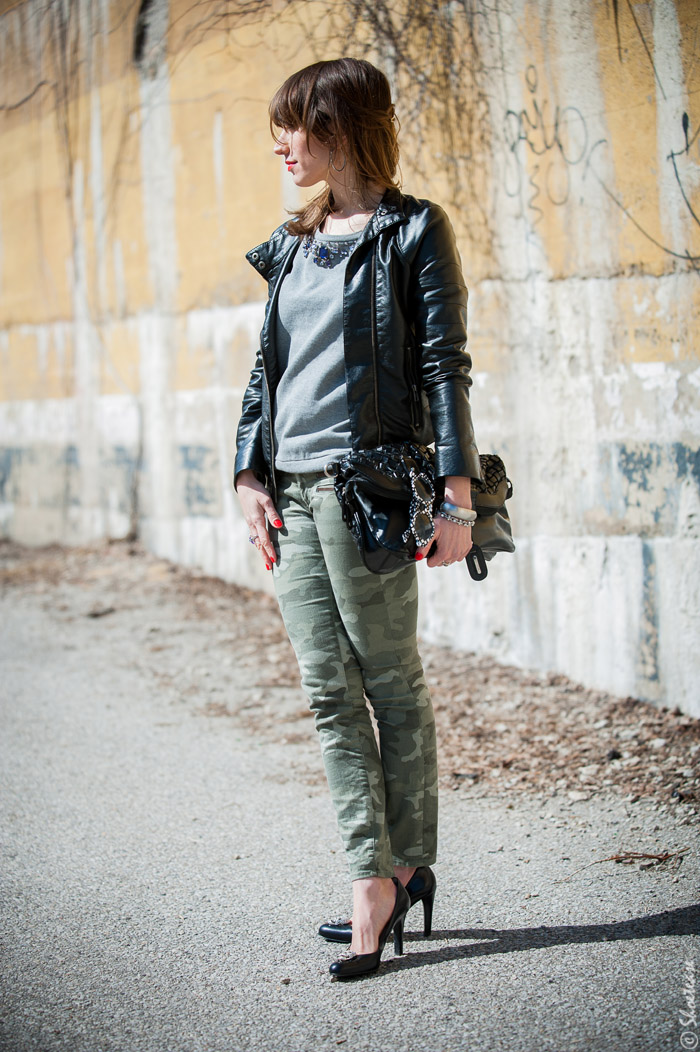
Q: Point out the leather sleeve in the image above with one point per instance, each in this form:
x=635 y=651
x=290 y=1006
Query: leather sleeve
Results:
x=249 y=448
x=439 y=301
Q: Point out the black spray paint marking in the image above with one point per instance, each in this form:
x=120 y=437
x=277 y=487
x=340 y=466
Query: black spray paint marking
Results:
x=676 y=154
x=560 y=136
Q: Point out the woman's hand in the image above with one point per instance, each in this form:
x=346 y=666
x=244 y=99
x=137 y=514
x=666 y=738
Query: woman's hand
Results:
x=256 y=503
x=452 y=542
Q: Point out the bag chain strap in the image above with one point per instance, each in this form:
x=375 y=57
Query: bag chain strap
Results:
x=419 y=505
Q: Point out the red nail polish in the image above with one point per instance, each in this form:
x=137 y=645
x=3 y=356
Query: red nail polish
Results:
x=267 y=566
x=277 y=524
x=419 y=556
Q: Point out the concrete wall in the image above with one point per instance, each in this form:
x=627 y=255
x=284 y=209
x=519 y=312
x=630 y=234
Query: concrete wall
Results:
x=131 y=184
x=586 y=340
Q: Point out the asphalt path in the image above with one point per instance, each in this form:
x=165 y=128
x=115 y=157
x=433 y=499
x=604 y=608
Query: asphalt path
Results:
x=164 y=872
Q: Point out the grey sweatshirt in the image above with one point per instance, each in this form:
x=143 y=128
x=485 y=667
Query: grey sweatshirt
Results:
x=311 y=418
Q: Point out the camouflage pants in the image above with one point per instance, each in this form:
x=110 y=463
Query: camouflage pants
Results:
x=354 y=634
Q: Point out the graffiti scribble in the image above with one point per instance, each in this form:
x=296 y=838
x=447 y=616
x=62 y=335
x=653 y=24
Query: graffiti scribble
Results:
x=559 y=137
x=673 y=157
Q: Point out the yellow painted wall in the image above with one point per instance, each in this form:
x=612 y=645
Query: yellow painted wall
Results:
x=129 y=194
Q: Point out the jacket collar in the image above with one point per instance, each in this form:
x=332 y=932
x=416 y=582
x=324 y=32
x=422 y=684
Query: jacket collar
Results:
x=389 y=211
x=267 y=256
x=391 y=204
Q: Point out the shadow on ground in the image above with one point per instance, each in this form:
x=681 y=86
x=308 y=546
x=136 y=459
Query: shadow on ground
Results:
x=682 y=921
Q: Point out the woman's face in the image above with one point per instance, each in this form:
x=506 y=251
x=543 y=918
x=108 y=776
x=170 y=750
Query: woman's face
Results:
x=306 y=163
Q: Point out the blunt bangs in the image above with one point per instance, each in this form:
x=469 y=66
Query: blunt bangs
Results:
x=294 y=105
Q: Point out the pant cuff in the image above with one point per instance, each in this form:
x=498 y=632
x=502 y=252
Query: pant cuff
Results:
x=362 y=872
x=429 y=860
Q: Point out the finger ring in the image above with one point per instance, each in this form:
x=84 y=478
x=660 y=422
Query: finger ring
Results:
x=445 y=564
x=253 y=540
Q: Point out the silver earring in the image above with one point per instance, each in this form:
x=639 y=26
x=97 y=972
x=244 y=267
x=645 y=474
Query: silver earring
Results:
x=330 y=161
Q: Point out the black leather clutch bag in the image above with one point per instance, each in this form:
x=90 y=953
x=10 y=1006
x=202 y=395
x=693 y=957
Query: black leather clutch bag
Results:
x=387 y=497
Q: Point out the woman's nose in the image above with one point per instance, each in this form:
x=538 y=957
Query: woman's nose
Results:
x=281 y=145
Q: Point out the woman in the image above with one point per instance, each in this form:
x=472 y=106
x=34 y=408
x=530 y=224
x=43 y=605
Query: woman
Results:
x=363 y=343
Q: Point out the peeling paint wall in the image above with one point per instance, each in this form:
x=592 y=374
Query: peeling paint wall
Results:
x=133 y=181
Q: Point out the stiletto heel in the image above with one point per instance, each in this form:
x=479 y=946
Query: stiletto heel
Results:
x=353 y=964
x=421 y=888
x=398 y=937
x=428 y=912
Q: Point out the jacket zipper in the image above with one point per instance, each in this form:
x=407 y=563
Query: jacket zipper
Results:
x=409 y=351
x=375 y=352
x=415 y=406
x=273 y=478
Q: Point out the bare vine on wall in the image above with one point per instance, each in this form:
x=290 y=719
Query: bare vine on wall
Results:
x=443 y=56
x=430 y=51
x=446 y=59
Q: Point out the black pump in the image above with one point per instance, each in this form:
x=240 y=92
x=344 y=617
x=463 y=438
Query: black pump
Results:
x=351 y=965
x=421 y=888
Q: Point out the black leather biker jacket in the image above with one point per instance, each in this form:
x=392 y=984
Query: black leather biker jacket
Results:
x=404 y=325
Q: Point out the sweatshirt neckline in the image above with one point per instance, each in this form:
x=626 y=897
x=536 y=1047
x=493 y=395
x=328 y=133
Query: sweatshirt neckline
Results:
x=352 y=236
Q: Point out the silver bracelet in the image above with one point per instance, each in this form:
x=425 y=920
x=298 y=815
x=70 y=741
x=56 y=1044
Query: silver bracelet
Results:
x=463 y=514
x=453 y=518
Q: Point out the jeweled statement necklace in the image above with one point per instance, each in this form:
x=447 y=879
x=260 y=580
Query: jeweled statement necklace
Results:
x=326 y=253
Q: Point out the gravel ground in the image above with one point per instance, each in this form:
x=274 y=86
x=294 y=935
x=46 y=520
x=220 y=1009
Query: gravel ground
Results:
x=169 y=846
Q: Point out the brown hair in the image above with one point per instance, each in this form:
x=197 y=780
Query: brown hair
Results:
x=342 y=99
